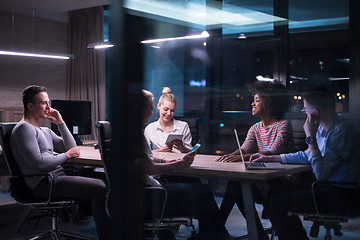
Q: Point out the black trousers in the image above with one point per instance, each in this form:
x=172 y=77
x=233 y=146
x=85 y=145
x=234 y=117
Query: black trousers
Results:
x=80 y=188
x=330 y=200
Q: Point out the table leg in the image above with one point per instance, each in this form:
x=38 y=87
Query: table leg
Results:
x=249 y=210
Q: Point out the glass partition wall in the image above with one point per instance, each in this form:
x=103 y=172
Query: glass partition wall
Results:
x=300 y=43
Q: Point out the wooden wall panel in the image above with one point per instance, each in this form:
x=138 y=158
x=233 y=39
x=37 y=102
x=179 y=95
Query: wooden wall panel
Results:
x=16 y=73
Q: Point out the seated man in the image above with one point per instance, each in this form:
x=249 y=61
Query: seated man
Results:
x=33 y=148
x=333 y=152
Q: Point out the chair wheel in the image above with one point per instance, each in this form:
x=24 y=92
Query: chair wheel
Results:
x=314 y=231
x=337 y=230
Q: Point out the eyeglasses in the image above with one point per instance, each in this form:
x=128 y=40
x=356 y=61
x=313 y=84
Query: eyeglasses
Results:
x=304 y=110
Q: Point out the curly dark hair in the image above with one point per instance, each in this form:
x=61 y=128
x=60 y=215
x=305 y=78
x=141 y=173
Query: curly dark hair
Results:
x=274 y=95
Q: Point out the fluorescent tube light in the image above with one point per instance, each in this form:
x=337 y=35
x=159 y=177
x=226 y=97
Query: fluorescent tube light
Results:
x=26 y=54
x=236 y=111
x=242 y=36
x=265 y=79
x=204 y=34
x=100 y=45
x=338 y=78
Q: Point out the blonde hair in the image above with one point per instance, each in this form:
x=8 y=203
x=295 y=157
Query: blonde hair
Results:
x=166 y=95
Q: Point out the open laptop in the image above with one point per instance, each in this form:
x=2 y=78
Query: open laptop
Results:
x=257 y=165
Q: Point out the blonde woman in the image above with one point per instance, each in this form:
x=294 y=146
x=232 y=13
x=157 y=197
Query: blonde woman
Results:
x=157 y=132
x=183 y=199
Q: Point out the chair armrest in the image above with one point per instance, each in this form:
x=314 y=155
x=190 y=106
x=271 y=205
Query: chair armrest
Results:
x=51 y=182
x=347 y=185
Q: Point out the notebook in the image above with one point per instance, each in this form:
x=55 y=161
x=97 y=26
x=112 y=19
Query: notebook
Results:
x=257 y=165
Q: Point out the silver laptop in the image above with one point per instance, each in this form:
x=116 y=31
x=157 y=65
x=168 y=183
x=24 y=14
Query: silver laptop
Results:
x=257 y=165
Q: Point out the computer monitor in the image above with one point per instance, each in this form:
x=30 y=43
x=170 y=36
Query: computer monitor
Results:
x=76 y=115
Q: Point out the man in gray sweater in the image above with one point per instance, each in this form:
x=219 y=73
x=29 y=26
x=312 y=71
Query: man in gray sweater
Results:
x=33 y=148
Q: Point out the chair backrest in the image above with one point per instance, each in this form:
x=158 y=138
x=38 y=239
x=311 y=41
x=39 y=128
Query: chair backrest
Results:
x=104 y=134
x=5 y=134
x=18 y=187
x=193 y=123
x=299 y=134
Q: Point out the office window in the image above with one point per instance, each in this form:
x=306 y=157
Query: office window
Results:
x=247 y=43
x=319 y=49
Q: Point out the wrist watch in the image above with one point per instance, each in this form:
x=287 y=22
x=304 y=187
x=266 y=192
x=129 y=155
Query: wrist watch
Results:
x=309 y=140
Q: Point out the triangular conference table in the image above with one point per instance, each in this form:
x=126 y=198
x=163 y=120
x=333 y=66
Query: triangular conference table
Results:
x=204 y=166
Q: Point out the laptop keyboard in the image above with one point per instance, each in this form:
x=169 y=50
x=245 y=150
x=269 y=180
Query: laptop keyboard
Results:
x=256 y=165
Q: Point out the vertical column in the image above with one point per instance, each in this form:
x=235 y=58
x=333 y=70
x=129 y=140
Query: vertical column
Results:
x=126 y=164
x=213 y=75
x=281 y=48
x=354 y=88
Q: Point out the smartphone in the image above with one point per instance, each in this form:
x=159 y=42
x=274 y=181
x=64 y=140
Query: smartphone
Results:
x=196 y=147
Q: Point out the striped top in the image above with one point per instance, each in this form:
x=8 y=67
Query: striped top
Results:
x=276 y=138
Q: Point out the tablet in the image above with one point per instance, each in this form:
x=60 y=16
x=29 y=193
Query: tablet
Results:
x=173 y=136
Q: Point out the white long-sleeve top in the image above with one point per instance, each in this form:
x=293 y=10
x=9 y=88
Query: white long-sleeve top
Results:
x=156 y=136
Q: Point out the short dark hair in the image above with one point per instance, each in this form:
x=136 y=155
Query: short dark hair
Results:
x=274 y=95
x=320 y=97
x=29 y=93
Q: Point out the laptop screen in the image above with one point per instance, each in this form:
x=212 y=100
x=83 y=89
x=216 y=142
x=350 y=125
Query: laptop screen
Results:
x=239 y=146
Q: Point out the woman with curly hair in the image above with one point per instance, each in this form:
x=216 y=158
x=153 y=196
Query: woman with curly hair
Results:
x=272 y=135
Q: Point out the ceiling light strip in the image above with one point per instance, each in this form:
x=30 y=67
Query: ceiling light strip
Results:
x=100 y=45
x=204 y=34
x=104 y=46
x=11 y=53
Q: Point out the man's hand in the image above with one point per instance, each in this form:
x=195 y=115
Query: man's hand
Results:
x=258 y=157
x=188 y=159
x=311 y=125
x=54 y=116
x=73 y=153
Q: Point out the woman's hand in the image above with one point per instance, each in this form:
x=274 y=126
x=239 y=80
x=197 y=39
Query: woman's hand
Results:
x=170 y=160
x=54 y=116
x=188 y=159
x=166 y=148
x=73 y=153
x=178 y=144
x=229 y=158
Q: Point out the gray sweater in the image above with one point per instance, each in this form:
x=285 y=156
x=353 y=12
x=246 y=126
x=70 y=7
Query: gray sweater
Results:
x=34 y=147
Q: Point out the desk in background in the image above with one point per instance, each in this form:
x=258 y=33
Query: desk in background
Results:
x=204 y=166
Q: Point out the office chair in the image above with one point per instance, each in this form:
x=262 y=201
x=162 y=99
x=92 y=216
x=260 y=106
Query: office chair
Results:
x=104 y=134
x=193 y=123
x=298 y=134
x=154 y=220
x=333 y=218
x=23 y=195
